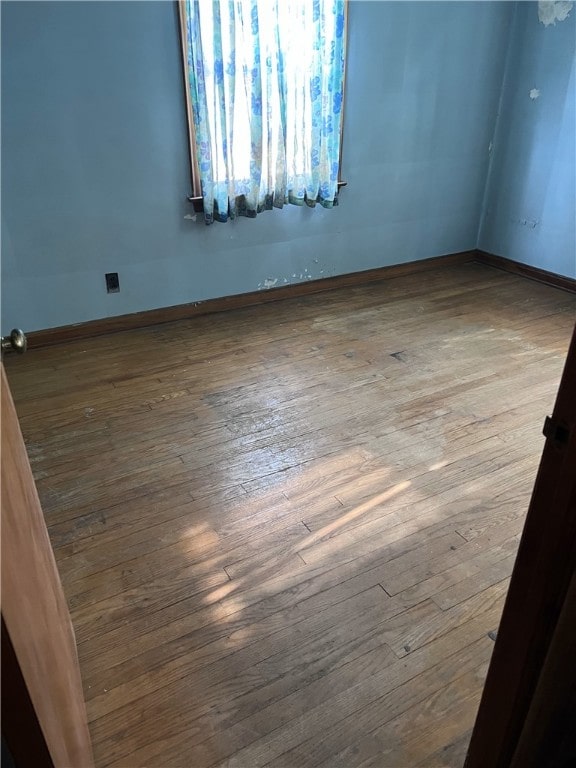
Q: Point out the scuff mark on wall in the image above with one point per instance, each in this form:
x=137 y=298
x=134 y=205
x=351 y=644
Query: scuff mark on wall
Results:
x=534 y=93
x=270 y=282
x=551 y=11
x=531 y=223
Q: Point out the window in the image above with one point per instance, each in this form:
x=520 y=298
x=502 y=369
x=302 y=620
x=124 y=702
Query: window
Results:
x=264 y=86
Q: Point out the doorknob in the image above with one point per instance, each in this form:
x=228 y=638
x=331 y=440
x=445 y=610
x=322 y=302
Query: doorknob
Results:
x=16 y=342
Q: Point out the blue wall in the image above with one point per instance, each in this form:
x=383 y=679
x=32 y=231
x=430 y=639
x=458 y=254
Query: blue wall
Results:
x=95 y=165
x=531 y=193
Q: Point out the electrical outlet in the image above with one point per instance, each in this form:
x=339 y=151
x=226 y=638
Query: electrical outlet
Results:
x=112 y=282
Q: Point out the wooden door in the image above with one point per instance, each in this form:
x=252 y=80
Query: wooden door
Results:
x=548 y=739
x=38 y=643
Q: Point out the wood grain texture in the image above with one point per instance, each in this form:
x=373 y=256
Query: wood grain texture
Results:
x=548 y=733
x=285 y=531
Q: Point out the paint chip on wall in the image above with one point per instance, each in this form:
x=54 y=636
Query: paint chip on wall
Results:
x=269 y=283
x=551 y=11
x=534 y=93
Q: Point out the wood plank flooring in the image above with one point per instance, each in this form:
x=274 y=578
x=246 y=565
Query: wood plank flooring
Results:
x=285 y=532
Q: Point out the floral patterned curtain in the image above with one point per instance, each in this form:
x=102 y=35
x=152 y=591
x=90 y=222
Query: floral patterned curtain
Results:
x=266 y=87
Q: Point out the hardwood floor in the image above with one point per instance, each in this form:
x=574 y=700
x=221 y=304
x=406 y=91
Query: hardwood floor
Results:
x=285 y=532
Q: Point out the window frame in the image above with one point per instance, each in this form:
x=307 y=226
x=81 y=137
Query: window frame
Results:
x=196 y=197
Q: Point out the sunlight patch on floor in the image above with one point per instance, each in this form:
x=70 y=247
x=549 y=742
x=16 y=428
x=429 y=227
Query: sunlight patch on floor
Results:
x=353 y=514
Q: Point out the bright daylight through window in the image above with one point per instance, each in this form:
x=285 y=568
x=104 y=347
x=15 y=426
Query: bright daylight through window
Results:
x=264 y=82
